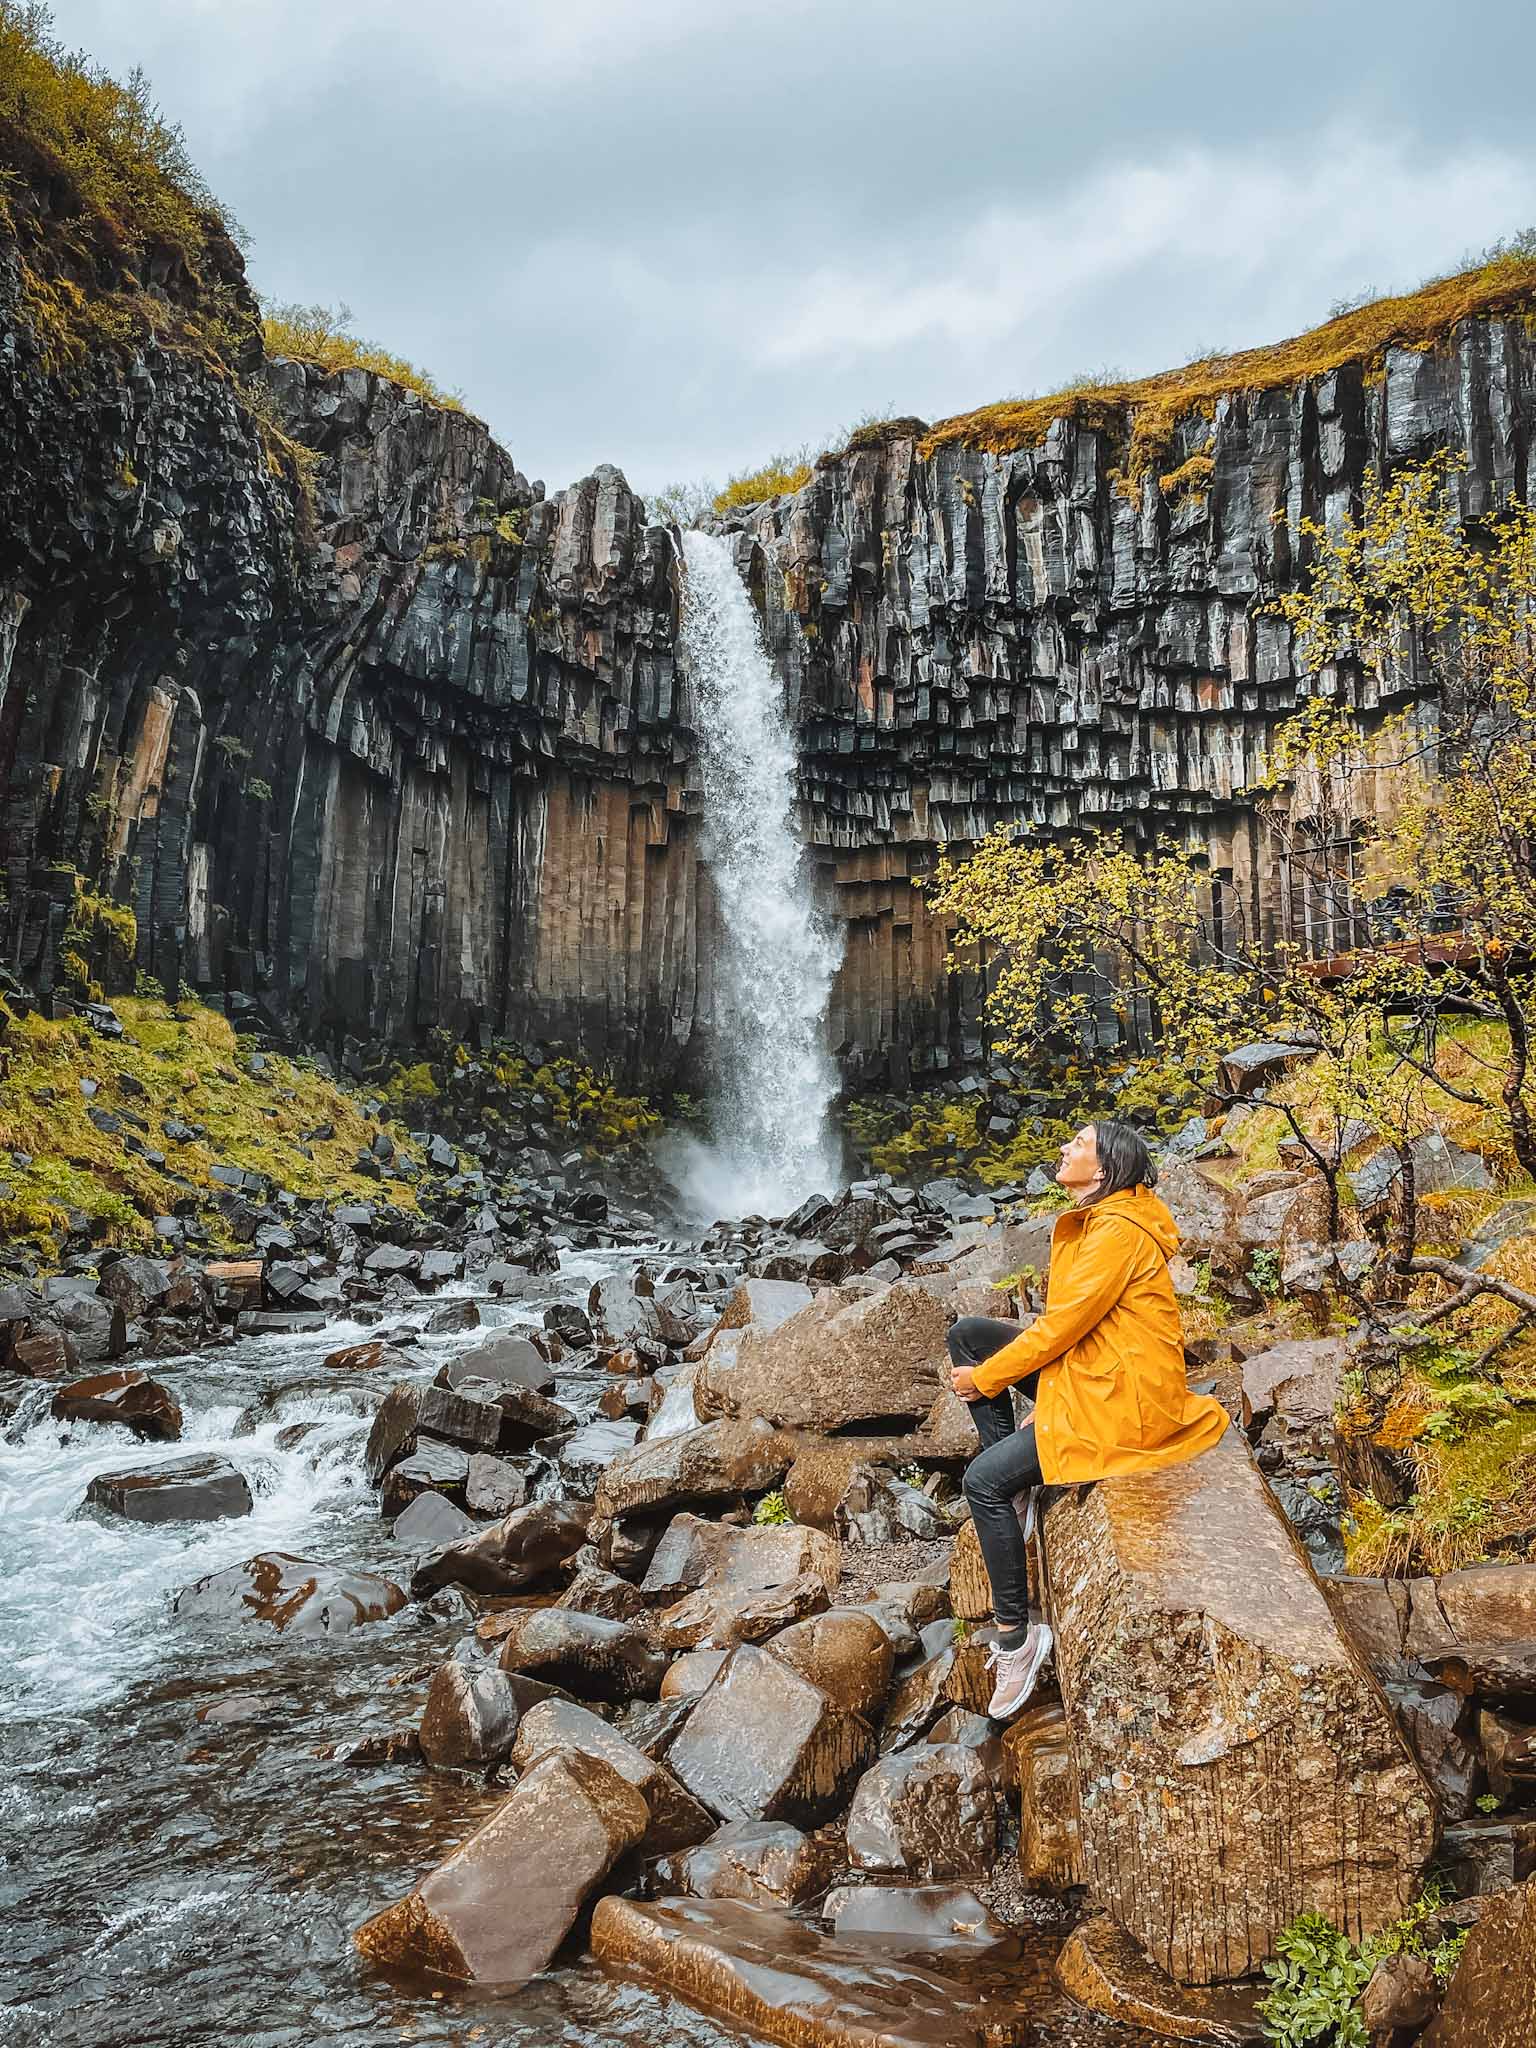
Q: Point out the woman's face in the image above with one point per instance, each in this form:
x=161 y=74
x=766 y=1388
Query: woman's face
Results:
x=1078 y=1172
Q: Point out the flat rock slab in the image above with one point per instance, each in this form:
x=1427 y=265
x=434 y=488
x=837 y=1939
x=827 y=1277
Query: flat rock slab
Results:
x=791 y=1983
x=294 y=1595
x=495 y=1911
x=1103 y=1969
x=763 y=1743
x=1219 y=1721
x=187 y=1490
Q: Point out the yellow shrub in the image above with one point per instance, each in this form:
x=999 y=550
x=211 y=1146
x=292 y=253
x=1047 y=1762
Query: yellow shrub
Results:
x=321 y=334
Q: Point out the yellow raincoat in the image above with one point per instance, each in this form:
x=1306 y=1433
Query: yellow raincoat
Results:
x=1112 y=1396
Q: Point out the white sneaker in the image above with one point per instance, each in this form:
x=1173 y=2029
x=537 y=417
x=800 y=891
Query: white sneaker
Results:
x=1018 y=1671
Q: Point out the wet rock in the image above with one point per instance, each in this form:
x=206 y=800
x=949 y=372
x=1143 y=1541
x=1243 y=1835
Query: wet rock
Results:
x=1442 y=1731
x=587 y=1655
x=451 y=1316
x=503 y=1362
x=1491 y=2002
x=764 y=1862
x=569 y=1323
x=137 y=1284
x=132 y=1398
x=764 y=1743
x=1205 y=1211
x=914 y=1916
x=279 y=1323
x=202 y=1489
x=428 y=1522
x=97 y=1326
x=484 y=1418
x=549 y=1844
x=846 y=1654
x=557 y=1726
x=694 y=1553
x=432 y=1467
x=838 y=1362
x=471 y=1716
x=1103 y=1969
x=720 y=1615
x=620 y=1312
x=952 y=1673
x=878 y=1507
x=600 y=1592
x=239 y=1708
x=1403 y=1994
x=782 y=1979
x=628 y=1399
x=524 y=1547
x=1039 y=1757
x=1298 y=1382
x=694 y=1672
x=294 y=1595
x=583 y=1457
x=364 y=1357
x=721 y=1461
x=1501 y=1673
x=493 y=1487
x=928 y=1812
x=42 y=1351
x=762 y=1304
x=1509 y=1755
x=626 y=1546
x=1169 y=1590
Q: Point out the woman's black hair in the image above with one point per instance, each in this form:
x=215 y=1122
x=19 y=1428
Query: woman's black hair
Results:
x=1124 y=1160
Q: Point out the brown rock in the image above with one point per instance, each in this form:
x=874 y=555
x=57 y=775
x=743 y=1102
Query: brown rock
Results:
x=187 y=1490
x=45 y=1352
x=695 y=1553
x=970 y=1590
x=482 y=1417
x=723 y=1615
x=559 y=1727
x=1050 y=1832
x=238 y=1281
x=433 y=1467
x=928 y=1812
x=1504 y=1673
x=692 y=1673
x=1491 y=2002
x=627 y=1398
x=917 y=1916
x=143 y=1405
x=720 y=1461
x=358 y=1357
x=521 y=1549
x=429 y=1522
x=547 y=1846
x=471 y=1717
x=765 y=1744
x=294 y=1595
x=1509 y=1752
x=765 y=1862
x=762 y=1304
x=595 y=1591
x=1489 y=1853
x=1442 y=1731
x=1403 y=1994
x=1216 y=1712
x=593 y=1658
x=879 y=1357
x=1103 y=1969
x=846 y=1653
x=784 y=1980
x=1298 y=1382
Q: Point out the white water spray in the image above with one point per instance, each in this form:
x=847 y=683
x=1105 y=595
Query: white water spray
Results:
x=777 y=957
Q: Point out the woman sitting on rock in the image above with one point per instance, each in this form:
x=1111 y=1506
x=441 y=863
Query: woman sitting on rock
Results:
x=1112 y=1396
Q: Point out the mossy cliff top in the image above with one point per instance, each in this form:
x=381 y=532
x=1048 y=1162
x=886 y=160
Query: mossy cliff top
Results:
x=1146 y=410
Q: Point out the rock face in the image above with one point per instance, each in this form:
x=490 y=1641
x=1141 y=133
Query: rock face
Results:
x=549 y=1844
x=1217 y=1717
x=461 y=756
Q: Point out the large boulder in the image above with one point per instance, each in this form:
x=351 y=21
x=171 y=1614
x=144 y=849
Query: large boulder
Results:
x=845 y=1653
x=585 y=1654
x=202 y=1489
x=558 y=1726
x=132 y=1398
x=495 y=1911
x=720 y=1461
x=926 y=1813
x=471 y=1716
x=839 y=1362
x=1492 y=1999
x=764 y=1743
x=522 y=1548
x=695 y=1553
x=1217 y=1715
x=510 y=1361
x=293 y=1595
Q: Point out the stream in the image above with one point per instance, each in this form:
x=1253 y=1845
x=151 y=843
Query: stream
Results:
x=169 y=1881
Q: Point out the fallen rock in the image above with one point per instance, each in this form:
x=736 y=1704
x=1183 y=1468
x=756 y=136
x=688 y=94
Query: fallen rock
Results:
x=596 y=1591
x=433 y=1467
x=765 y=1862
x=493 y=1486
x=97 y=1327
x=1050 y=1828
x=1205 y=1211
x=479 y=1417
x=1103 y=1969
x=762 y=1305
x=724 y=1615
x=429 y=1522
x=471 y=1717
x=293 y=1595
x=549 y=1844
x=720 y=1461
x=844 y=1653
x=695 y=1553
x=203 y=1489
x=558 y=1726
x=836 y=1362
x=132 y=1398
x=42 y=1351
x=1298 y=1382
x=1177 y=1595
x=1402 y=1995
x=928 y=1812
x=364 y=1357
x=763 y=1743
x=878 y=1507
x=692 y=1673
x=591 y=1657
x=503 y=1362
x=521 y=1549
x=1491 y=2002
x=946 y=1917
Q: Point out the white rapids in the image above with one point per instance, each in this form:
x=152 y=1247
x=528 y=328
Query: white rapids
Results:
x=776 y=959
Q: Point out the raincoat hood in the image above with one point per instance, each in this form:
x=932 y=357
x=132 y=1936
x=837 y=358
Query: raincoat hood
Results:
x=1147 y=1211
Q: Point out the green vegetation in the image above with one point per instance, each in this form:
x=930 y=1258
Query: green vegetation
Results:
x=1145 y=412
x=563 y=1093
x=775 y=478
x=170 y=1065
x=323 y=335
x=1320 y=1975
x=772 y=1512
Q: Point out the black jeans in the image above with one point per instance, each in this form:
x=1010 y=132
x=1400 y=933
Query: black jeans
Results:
x=1005 y=1466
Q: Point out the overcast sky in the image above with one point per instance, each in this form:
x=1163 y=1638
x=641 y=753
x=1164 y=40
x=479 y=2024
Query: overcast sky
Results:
x=679 y=235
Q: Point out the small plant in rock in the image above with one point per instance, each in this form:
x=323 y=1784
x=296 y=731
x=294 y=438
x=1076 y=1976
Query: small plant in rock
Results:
x=1321 y=1973
x=1488 y=1802
x=963 y=1631
x=1264 y=1271
x=771 y=1512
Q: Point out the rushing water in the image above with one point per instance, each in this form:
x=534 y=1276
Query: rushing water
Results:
x=777 y=957
x=170 y=1881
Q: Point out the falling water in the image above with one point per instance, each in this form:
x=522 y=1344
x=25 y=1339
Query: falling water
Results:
x=777 y=957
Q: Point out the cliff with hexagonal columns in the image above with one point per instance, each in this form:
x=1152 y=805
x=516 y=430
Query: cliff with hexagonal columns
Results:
x=363 y=726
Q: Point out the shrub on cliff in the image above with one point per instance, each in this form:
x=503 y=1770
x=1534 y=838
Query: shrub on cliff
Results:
x=323 y=335
x=779 y=476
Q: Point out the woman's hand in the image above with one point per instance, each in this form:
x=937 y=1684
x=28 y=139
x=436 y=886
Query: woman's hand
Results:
x=963 y=1380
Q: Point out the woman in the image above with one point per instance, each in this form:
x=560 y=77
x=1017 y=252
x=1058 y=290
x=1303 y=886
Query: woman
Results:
x=1112 y=1396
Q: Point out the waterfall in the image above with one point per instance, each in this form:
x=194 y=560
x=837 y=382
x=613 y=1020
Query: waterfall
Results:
x=776 y=957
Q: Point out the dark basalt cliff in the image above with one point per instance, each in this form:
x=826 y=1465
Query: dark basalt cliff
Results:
x=405 y=746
